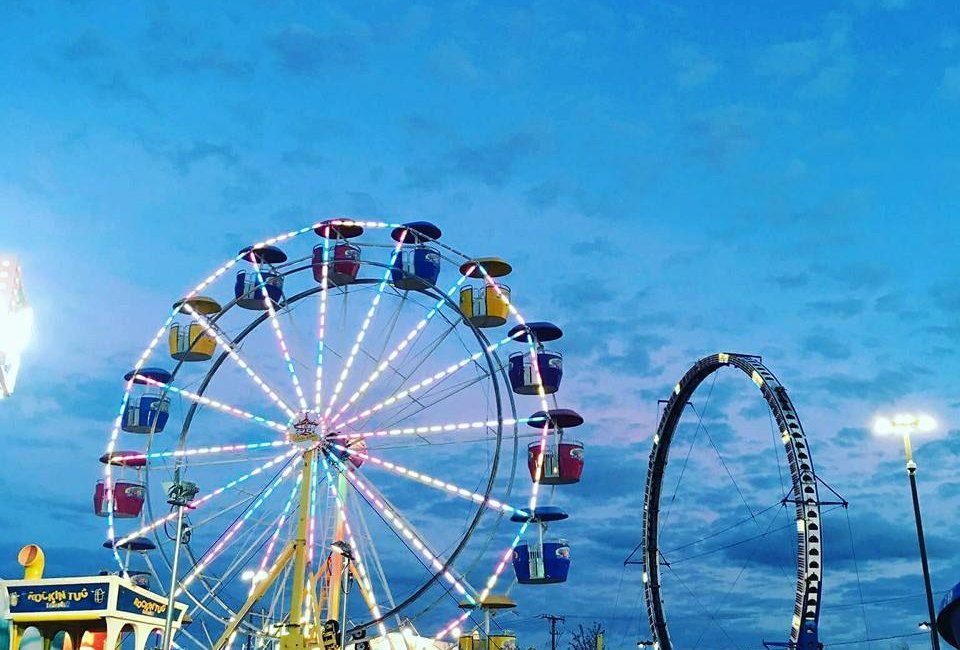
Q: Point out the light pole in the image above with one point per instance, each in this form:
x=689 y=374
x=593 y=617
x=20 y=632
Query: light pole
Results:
x=343 y=548
x=905 y=424
x=180 y=495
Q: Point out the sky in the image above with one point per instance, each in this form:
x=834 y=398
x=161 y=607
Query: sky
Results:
x=668 y=179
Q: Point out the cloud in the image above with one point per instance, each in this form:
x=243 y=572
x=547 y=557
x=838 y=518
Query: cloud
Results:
x=301 y=50
x=791 y=280
x=118 y=86
x=950 y=84
x=450 y=62
x=852 y=437
x=839 y=307
x=716 y=136
x=817 y=68
x=693 y=67
x=303 y=157
x=249 y=187
x=492 y=164
x=885 y=386
x=544 y=195
x=824 y=343
x=202 y=150
x=790 y=59
x=88 y=46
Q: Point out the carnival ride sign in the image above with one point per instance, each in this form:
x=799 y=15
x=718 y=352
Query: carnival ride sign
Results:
x=135 y=603
x=88 y=597
x=85 y=598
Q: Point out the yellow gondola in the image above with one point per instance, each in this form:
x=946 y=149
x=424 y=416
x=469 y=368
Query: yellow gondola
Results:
x=188 y=339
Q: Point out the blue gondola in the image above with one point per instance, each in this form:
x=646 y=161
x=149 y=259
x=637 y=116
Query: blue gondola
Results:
x=250 y=286
x=137 y=544
x=147 y=408
x=544 y=562
x=417 y=266
x=523 y=376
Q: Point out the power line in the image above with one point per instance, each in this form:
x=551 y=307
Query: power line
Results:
x=553 y=627
x=879 y=638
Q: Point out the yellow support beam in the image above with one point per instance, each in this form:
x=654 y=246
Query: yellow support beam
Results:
x=255 y=595
x=293 y=639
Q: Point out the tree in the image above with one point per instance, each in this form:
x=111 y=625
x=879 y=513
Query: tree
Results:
x=585 y=638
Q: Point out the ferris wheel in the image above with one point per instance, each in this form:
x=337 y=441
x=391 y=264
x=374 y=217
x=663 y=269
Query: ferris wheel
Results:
x=355 y=414
x=798 y=487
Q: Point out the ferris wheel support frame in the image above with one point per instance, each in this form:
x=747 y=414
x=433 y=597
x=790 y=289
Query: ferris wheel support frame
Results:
x=296 y=549
x=804 y=629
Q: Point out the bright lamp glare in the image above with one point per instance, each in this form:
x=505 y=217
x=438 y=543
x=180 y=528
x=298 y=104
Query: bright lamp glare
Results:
x=15 y=330
x=253 y=576
x=904 y=423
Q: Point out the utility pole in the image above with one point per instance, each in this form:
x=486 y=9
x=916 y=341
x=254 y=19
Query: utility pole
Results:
x=553 y=628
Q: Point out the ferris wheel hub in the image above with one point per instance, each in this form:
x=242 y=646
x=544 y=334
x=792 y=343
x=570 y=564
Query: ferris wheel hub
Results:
x=305 y=429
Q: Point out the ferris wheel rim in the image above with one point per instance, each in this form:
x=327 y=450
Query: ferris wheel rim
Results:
x=262 y=318
x=807 y=594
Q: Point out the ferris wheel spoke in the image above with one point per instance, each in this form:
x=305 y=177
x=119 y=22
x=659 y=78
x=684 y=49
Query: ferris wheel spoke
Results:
x=231 y=351
x=435 y=483
x=365 y=581
x=281 y=520
x=473 y=358
x=278 y=332
x=423 y=355
x=201 y=451
x=215 y=550
x=206 y=498
x=404 y=529
x=410 y=336
x=311 y=517
x=425 y=429
x=440 y=392
x=364 y=532
x=220 y=406
x=378 y=296
x=248 y=550
x=322 y=325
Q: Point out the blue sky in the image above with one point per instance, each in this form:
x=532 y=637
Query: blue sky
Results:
x=668 y=179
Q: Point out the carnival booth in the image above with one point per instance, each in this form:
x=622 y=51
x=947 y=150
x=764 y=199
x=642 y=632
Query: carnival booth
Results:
x=93 y=612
